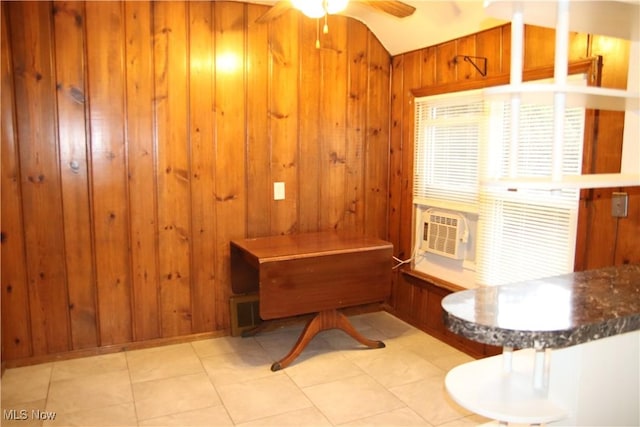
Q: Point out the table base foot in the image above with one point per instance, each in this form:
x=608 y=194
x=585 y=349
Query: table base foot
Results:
x=328 y=319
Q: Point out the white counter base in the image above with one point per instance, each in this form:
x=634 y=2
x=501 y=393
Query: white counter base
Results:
x=596 y=383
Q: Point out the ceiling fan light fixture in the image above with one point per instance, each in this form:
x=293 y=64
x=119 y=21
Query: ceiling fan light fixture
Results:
x=335 y=6
x=312 y=9
x=319 y=8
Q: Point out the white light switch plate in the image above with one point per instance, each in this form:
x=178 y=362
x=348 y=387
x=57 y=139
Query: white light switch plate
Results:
x=278 y=191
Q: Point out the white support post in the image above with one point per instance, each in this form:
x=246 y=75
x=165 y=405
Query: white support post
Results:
x=561 y=66
x=517 y=56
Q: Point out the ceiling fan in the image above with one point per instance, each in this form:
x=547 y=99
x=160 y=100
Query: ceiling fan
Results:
x=325 y=7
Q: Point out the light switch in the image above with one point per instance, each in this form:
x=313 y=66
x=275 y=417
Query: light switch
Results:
x=278 y=191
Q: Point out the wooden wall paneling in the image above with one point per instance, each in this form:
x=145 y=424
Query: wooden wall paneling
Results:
x=16 y=326
x=357 y=77
x=283 y=123
x=464 y=69
x=333 y=114
x=201 y=133
x=175 y=238
x=608 y=144
x=70 y=63
x=445 y=65
x=141 y=152
x=428 y=68
x=396 y=151
x=539 y=47
x=259 y=182
x=601 y=230
x=105 y=65
x=230 y=162
x=413 y=72
x=40 y=175
x=309 y=126
x=628 y=232
x=377 y=142
x=491 y=44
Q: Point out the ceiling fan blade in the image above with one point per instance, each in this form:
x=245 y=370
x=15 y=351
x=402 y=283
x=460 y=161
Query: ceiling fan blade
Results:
x=274 y=11
x=392 y=7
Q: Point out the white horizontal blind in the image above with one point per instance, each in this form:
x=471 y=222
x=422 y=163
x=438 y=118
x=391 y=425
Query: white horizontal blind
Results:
x=523 y=236
x=448 y=130
x=528 y=234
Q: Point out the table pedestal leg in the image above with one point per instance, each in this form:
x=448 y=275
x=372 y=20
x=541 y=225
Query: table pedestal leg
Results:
x=328 y=319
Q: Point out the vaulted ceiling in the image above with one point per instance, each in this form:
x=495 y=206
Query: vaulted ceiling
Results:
x=433 y=22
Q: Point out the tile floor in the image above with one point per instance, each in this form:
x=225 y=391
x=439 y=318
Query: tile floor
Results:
x=227 y=381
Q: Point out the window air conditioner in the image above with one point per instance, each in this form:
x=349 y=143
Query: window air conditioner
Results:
x=443 y=233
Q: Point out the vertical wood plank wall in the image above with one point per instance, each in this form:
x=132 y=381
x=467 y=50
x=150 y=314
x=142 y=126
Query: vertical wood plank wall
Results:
x=139 y=138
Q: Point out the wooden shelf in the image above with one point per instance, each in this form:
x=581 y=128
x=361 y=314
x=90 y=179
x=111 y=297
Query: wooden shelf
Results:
x=594 y=17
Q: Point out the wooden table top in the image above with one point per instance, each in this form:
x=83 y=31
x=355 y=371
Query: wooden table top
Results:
x=289 y=246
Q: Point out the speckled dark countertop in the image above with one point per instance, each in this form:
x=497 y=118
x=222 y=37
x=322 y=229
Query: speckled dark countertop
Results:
x=554 y=312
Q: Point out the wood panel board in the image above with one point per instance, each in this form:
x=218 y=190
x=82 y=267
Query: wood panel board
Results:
x=16 y=327
x=230 y=161
x=74 y=166
x=106 y=87
x=201 y=134
x=174 y=166
x=142 y=160
x=40 y=175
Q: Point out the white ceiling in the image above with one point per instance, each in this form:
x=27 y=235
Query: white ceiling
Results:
x=433 y=22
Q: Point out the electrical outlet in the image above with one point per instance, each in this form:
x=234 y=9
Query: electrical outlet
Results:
x=278 y=191
x=619 y=202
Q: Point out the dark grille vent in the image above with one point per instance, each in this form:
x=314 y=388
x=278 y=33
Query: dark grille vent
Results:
x=245 y=313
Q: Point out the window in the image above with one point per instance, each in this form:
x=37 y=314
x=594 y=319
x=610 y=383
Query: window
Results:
x=463 y=140
x=448 y=129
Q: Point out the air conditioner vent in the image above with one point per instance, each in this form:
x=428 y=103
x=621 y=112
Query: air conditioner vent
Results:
x=443 y=234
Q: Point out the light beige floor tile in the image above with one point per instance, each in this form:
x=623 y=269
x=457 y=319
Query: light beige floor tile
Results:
x=237 y=367
x=123 y=415
x=397 y=417
x=89 y=392
x=470 y=421
x=214 y=416
x=174 y=395
x=22 y=414
x=389 y=325
x=26 y=384
x=278 y=344
x=351 y=348
x=321 y=367
x=264 y=397
x=430 y=400
x=428 y=347
x=307 y=417
x=163 y=362
x=446 y=363
x=352 y=398
x=396 y=367
x=225 y=345
x=75 y=368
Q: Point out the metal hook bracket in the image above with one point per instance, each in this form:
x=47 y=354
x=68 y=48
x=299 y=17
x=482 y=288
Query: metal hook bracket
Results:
x=471 y=60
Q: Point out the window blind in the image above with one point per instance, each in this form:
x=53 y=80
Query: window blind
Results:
x=528 y=234
x=448 y=130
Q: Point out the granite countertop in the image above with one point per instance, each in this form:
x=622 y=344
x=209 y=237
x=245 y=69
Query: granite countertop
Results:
x=554 y=312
